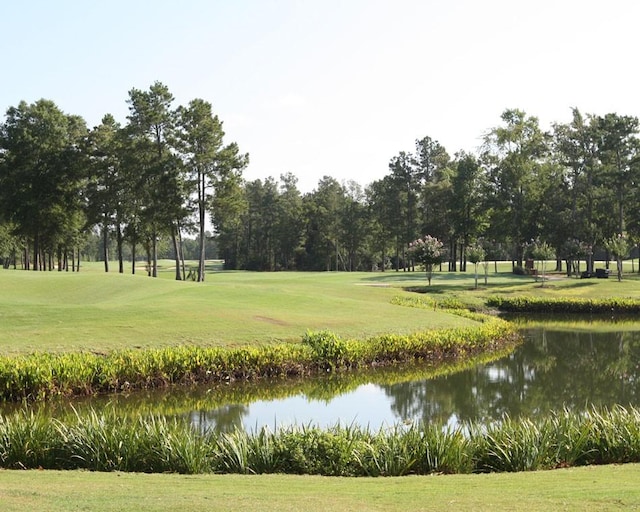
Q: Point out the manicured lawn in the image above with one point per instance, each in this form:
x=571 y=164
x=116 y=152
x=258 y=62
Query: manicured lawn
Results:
x=580 y=489
x=51 y=311
x=461 y=285
x=91 y=310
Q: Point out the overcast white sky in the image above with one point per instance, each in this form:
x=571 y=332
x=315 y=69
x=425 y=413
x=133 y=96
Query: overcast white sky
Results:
x=329 y=87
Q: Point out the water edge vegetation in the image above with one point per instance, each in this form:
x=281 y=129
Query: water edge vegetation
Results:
x=109 y=442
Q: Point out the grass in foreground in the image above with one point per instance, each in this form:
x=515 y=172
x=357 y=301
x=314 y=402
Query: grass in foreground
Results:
x=580 y=489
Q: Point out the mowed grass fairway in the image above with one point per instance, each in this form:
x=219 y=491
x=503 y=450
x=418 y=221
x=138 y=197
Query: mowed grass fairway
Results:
x=582 y=489
x=97 y=311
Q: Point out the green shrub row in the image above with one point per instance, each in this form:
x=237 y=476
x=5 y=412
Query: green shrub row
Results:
x=40 y=376
x=525 y=304
x=331 y=352
x=100 y=442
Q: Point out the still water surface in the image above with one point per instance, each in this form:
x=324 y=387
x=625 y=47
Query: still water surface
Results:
x=552 y=370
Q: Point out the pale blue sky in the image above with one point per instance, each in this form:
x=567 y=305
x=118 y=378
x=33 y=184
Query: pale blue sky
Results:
x=328 y=87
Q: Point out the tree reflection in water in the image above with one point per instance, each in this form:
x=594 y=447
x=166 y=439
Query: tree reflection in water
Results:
x=223 y=419
x=550 y=371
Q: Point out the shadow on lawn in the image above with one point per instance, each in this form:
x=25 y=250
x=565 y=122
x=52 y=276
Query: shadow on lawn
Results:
x=446 y=281
x=443 y=282
x=393 y=276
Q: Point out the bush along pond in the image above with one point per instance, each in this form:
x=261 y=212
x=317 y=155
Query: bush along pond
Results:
x=41 y=376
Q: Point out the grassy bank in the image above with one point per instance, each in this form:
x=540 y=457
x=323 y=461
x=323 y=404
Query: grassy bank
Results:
x=594 y=488
x=40 y=376
x=566 y=305
x=183 y=400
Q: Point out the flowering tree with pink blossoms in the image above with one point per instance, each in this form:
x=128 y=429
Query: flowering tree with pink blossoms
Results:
x=427 y=250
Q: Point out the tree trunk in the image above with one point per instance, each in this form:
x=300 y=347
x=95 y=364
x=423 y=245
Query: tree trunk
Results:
x=133 y=255
x=154 y=254
x=105 y=242
x=201 y=248
x=26 y=264
x=36 y=253
x=397 y=256
x=176 y=250
x=119 y=248
x=558 y=264
x=619 y=264
x=149 y=259
x=180 y=245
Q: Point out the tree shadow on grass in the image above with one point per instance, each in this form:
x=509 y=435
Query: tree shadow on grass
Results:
x=447 y=282
x=393 y=276
x=443 y=282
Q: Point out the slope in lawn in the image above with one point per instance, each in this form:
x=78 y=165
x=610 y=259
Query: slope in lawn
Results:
x=51 y=311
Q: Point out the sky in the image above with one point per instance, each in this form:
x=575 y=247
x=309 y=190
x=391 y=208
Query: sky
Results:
x=328 y=87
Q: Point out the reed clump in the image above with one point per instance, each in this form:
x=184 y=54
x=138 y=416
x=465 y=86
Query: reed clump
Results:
x=530 y=304
x=108 y=442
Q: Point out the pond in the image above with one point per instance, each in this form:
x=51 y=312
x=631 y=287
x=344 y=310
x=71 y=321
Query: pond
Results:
x=551 y=370
x=554 y=368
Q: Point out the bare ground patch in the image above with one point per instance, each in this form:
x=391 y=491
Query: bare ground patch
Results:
x=269 y=320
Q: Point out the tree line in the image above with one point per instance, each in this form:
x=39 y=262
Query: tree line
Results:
x=571 y=190
x=153 y=179
x=168 y=174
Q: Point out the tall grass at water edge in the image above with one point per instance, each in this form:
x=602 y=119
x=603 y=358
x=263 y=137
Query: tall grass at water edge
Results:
x=567 y=305
x=106 y=442
x=40 y=376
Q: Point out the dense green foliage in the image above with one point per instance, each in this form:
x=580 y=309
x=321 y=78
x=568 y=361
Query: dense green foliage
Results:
x=525 y=304
x=107 y=442
x=61 y=182
x=38 y=376
x=166 y=174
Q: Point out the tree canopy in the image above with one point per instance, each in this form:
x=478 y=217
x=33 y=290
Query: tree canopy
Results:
x=167 y=175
